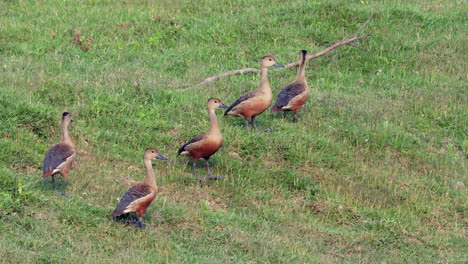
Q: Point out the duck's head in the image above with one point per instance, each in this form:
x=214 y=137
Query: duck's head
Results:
x=303 y=56
x=66 y=118
x=152 y=154
x=269 y=61
x=215 y=103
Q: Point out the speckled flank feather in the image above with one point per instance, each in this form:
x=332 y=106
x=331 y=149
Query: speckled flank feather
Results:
x=134 y=198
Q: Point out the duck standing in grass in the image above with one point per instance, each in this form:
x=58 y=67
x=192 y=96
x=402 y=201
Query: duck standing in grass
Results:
x=206 y=144
x=60 y=157
x=139 y=196
x=293 y=96
x=255 y=102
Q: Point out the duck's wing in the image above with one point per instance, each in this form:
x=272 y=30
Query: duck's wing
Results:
x=192 y=141
x=56 y=158
x=287 y=94
x=241 y=99
x=130 y=199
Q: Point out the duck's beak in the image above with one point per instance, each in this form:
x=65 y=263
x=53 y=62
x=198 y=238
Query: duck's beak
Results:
x=278 y=65
x=161 y=157
x=221 y=105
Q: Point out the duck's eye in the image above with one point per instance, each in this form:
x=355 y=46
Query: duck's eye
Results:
x=269 y=59
x=152 y=151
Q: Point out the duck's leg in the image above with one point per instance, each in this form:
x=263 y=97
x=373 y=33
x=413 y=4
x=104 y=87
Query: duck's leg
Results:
x=53 y=181
x=247 y=124
x=139 y=224
x=208 y=173
x=194 y=165
x=255 y=126
x=295 y=118
x=135 y=220
x=64 y=185
x=253 y=123
x=284 y=115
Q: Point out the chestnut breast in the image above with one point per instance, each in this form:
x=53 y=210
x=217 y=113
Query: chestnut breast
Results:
x=207 y=147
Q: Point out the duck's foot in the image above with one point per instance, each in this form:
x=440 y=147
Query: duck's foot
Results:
x=206 y=178
x=62 y=193
x=130 y=219
x=265 y=130
x=295 y=118
x=138 y=223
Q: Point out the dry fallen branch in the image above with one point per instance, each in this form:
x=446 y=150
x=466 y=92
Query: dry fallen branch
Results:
x=364 y=25
x=325 y=51
x=224 y=74
x=310 y=57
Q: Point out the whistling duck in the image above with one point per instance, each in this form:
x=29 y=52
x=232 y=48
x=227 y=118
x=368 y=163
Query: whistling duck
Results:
x=206 y=144
x=293 y=96
x=139 y=196
x=255 y=102
x=60 y=157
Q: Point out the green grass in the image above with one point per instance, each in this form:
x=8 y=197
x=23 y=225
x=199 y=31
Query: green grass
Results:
x=374 y=172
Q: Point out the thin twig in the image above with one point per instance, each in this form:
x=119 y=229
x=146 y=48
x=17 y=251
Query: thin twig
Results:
x=355 y=46
x=327 y=50
x=364 y=25
x=224 y=74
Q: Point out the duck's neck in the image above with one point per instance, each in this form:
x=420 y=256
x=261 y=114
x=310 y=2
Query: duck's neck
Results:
x=149 y=179
x=65 y=137
x=300 y=77
x=214 y=127
x=264 y=83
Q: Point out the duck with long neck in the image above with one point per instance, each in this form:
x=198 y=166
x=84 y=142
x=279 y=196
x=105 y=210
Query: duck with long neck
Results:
x=141 y=195
x=60 y=157
x=255 y=102
x=294 y=96
x=206 y=144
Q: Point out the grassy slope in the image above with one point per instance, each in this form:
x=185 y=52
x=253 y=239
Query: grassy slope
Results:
x=375 y=170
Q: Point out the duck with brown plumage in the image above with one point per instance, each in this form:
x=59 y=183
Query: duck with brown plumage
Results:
x=255 y=102
x=294 y=96
x=59 y=158
x=205 y=144
x=141 y=195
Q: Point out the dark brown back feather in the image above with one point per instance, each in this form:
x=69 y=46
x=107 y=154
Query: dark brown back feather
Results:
x=135 y=192
x=288 y=93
